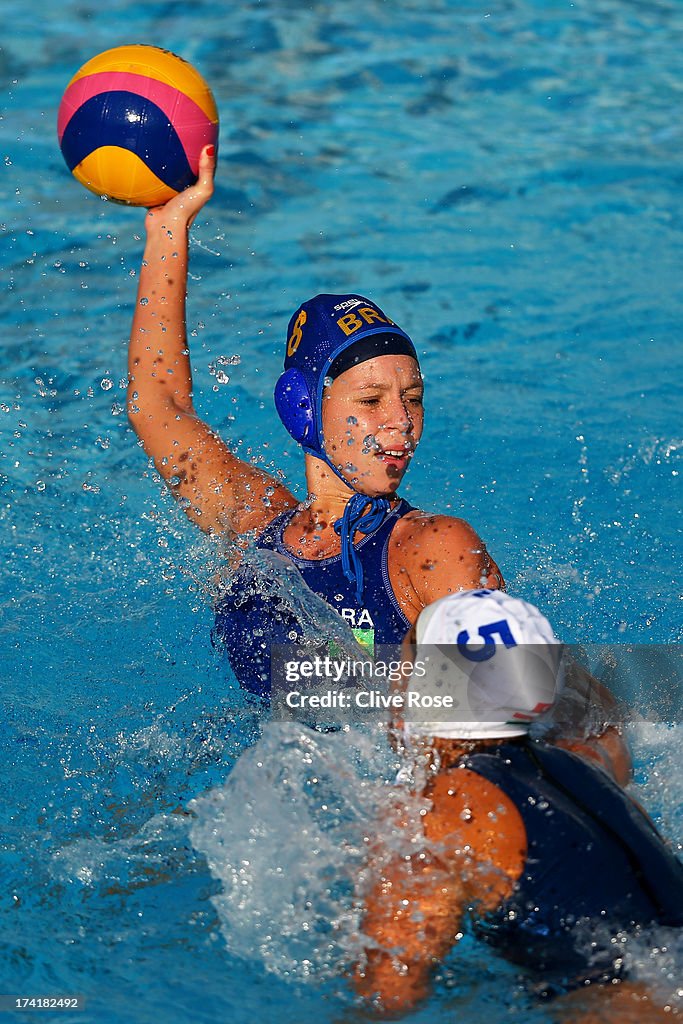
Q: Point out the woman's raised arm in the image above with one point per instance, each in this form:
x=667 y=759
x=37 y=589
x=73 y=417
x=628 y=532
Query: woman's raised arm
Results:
x=217 y=490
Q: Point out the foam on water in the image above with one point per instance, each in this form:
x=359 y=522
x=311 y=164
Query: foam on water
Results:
x=658 y=780
x=287 y=837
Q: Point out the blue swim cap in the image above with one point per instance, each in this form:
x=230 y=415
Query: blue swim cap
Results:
x=326 y=336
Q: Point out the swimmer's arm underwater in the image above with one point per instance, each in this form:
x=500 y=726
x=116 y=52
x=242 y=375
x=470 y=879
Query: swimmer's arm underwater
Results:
x=217 y=490
x=609 y=749
x=412 y=915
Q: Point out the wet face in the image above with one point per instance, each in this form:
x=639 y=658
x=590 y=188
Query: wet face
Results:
x=372 y=422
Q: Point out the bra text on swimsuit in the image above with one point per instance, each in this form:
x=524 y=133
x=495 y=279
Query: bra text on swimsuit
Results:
x=357 y=618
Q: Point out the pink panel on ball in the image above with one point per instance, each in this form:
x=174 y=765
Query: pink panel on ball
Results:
x=191 y=123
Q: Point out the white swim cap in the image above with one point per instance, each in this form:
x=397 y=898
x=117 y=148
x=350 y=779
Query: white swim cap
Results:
x=487 y=662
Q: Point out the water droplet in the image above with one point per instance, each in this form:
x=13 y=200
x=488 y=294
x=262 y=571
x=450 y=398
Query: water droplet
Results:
x=106 y=384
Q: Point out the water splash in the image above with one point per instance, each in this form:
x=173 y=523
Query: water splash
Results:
x=287 y=837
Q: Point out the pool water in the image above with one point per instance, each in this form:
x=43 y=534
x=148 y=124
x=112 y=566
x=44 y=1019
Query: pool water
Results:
x=504 y=180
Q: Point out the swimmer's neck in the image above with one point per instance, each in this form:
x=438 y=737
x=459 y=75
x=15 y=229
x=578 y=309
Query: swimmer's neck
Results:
x=328 y=496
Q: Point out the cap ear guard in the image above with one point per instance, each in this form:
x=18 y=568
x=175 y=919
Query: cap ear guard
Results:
x=295 y=407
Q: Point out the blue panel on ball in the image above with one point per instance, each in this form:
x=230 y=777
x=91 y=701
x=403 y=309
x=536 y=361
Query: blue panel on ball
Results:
x=131 y=122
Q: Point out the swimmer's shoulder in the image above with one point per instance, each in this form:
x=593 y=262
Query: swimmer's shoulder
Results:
x=460 y=794
x=434 y=555
x=435 y=529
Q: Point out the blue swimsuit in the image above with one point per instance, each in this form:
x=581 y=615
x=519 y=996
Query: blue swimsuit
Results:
x=595 y=864
x=253 y=614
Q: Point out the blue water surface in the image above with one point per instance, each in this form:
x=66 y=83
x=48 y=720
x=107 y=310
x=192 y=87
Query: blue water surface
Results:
x=504 y=180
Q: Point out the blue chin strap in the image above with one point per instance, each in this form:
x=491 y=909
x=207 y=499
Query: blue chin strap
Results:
x=355 y=518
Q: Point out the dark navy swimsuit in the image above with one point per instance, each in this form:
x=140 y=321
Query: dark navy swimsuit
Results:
x=595 y=865
x=251 y=615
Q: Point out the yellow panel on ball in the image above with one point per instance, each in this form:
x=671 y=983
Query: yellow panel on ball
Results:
x=120 y=175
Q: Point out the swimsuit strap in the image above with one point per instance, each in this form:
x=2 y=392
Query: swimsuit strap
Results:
x=273 y=531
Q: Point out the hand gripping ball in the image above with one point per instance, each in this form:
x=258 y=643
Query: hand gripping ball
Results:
x=133 y=122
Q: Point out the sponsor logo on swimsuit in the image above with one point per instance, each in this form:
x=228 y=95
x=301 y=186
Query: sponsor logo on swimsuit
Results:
x=365 y=638
x=362 y=627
